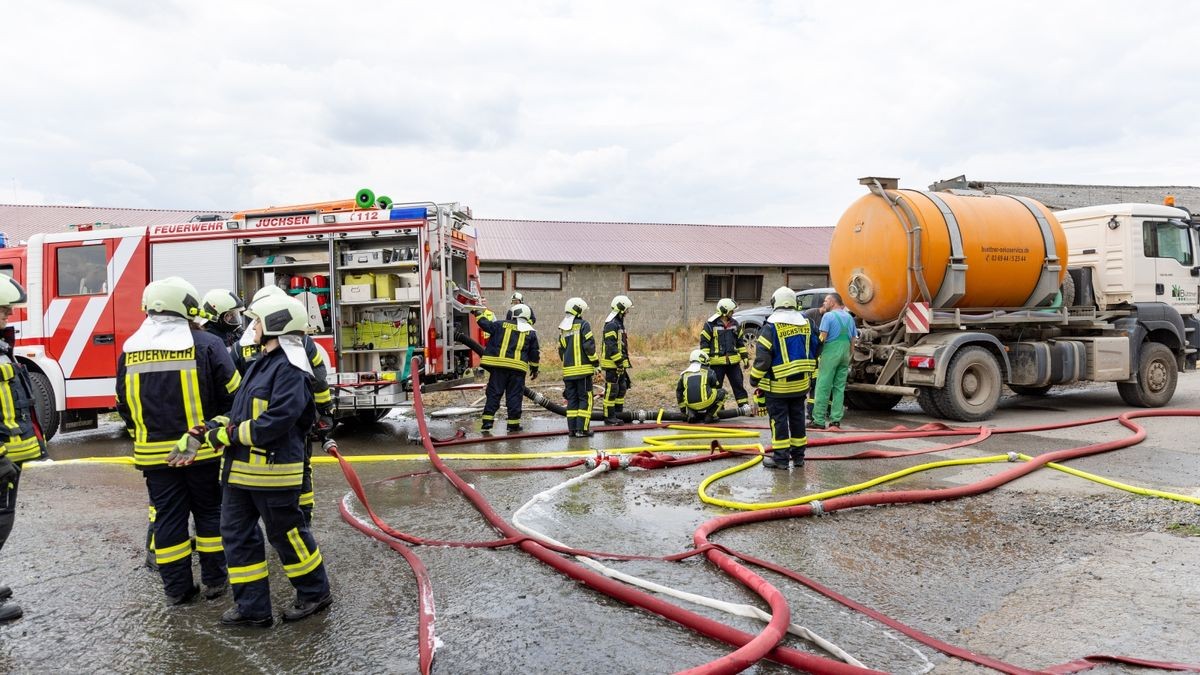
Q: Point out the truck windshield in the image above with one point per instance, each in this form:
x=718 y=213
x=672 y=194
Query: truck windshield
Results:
x=1168 y=240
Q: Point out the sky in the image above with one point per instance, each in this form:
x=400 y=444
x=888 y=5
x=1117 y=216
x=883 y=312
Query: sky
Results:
x=753 y=113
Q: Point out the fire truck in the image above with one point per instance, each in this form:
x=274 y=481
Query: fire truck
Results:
x=382 y=282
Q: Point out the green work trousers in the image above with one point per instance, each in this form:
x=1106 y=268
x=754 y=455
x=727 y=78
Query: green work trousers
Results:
x=831 y=385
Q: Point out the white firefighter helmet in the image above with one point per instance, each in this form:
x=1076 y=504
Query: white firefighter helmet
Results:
x=172 y=295
x=783 y=298
x=699 y=356
x=517 y=298
x=575 y=306
x=725 y=306
x=218 y=301
x=269 y=289
x=279 y=315
x=12 y=294
x=621 y=303
x=521 y=311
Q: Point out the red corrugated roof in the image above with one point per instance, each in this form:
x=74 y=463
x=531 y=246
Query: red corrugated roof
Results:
x=569 y=242
x=20 y=222
x=525 y=241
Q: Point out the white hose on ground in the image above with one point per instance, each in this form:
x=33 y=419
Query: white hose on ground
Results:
x=748 y=611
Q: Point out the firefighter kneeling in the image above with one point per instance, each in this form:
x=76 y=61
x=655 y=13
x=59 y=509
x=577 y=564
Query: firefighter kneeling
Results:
x=699 y=393
x=264 y=440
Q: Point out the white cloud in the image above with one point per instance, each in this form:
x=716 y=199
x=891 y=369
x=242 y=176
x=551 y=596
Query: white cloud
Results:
x=760 y=112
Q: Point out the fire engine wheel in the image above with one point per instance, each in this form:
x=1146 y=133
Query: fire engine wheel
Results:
x=866 y=400
x=973 y=383
x=1030 y=391
x=928 y=402
x=1157 y=375
x=43 y=404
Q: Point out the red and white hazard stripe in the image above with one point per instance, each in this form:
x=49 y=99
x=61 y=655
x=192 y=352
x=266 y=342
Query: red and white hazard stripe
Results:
x=917 y=317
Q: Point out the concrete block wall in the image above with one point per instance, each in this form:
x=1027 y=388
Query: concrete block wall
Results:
x=653 y=311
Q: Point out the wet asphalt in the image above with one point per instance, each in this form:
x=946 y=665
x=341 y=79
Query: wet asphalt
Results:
x=1041 y=571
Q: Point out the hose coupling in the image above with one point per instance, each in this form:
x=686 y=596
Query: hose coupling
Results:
x=1012 y=457
x=818 y=509
x=746 y=410
x=641 y=416
x=610 y=461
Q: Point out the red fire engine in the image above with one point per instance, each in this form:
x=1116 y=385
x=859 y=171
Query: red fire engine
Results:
x=381 y=284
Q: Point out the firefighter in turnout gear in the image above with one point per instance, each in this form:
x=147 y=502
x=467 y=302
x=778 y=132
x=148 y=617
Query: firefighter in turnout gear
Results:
x=248 y=349
x=20 y=435
x=783 y=364
x=699 y=393
x=169 y=378
x=722 y=340
x=511 y=352
x=614 y=359
x=222 y=310
x=577 y=349
x=265 y=439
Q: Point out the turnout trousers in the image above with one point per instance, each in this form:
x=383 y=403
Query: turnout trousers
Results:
x=289 y=535
x=737 y=383
x=788 y=436
x=179 y=495
x=8 y=506
x=578 y=392
x=615 y=386
x=510 y=383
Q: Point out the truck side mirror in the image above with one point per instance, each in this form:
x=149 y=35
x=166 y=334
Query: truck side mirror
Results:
x=1196 y=271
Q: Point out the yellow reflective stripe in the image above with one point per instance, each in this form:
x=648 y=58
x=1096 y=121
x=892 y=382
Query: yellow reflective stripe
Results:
x=234 y=382
x=172 y=553
x=316 y=359
x=209 y=544
x=247 y=573
x=192 y=408
x=322 y=397
x=134 y=395
x=307 y=562
x=23 y=449
x=6 y=371
x=307 y=499
x=261 y=475
x=10 y=408
x=148 y=453
x=153 y=513
x=500 y=361
x=585 y=369
x=298 y=544
x=244 y=433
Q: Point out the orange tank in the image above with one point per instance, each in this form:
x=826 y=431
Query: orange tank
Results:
x=972 y=251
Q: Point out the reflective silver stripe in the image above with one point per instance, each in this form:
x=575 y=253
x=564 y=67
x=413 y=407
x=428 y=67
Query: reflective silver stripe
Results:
x=162 y=366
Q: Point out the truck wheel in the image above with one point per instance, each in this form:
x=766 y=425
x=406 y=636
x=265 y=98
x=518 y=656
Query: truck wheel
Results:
x=1068 y=291
x=972 y=387
x=866 y=400
x=43 y=404
x=1157 y=375
x=1030 y=391
x=928 y=402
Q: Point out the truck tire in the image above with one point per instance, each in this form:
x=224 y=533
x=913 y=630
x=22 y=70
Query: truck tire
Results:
x=43 y=404
x=928 y=402
x=1030 y=391
x=1068 y=291
x=1157 y=375
x=973 y=383
x=866 y=400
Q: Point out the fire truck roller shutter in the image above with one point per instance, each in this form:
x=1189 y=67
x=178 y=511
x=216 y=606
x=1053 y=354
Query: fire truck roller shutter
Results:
x=205 y=264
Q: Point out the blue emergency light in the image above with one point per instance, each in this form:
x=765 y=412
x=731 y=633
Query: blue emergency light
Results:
x=410 y=213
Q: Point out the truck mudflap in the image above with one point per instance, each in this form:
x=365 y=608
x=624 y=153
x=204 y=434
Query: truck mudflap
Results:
x=927 y=361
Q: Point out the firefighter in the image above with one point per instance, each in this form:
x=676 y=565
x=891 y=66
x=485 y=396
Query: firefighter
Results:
x=223 y=315
x=783 y=364
x=20 y=436
x=265 y=438
x=519 y=299
x=169 y=378
x=699 y=393
x=511 y=352
x=577 y=350
x=248 y=349
x=722 y=340
x=614 y=359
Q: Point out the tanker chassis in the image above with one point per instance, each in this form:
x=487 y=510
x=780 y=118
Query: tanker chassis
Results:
x=959 y=293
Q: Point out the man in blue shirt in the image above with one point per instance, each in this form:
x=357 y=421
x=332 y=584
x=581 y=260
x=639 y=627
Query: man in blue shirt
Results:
x=837 y=337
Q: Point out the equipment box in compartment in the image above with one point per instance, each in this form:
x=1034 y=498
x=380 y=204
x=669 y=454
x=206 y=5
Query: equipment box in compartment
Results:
x=366 y=257
x=358 y=292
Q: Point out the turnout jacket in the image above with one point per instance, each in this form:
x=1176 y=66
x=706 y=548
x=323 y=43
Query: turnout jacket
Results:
x=245 y=354
x=615 y=350
x=697 y=389
x=268 y=426
x=577 y=349
x=161 y=393
x=785 y=357
x=20 y=439
x=724 y=343
x=509 y=347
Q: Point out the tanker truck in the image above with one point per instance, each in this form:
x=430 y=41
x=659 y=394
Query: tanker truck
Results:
x=958 y=293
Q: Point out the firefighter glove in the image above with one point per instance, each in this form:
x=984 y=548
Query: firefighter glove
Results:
x=8 y=472
x=219 y=437
x=184 y=452
x=533 y=373
x=325 y=423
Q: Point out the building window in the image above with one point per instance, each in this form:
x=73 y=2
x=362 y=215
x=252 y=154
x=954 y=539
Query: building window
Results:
x=650 y=281
x=740 y=287
x=492 y=280
x=537 y=281
x=82 y=270
x=802 y=281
